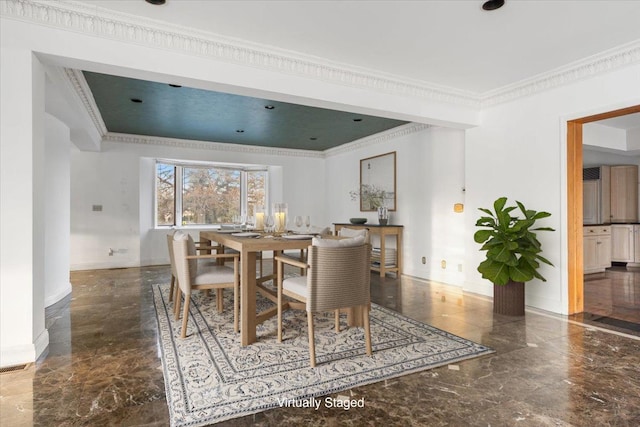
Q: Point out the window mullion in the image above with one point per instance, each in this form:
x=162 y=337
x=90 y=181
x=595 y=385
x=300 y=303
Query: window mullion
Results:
x=178 y=196
x=243 y=194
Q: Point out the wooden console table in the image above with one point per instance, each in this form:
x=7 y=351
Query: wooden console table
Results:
x=382 y=231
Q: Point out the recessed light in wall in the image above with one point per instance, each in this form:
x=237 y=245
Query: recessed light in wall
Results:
x=136 y=100
x=174 y=85
x=240 y=130
x=357 y=120
x=493 y=4
x=269 y=107
x=156 y=2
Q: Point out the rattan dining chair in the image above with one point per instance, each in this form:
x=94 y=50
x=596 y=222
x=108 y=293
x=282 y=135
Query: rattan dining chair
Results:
x=338 y=277
x=190 y=276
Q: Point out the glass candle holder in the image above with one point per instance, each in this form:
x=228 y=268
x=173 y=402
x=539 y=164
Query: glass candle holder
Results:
x=280 y=217
x=259 y=218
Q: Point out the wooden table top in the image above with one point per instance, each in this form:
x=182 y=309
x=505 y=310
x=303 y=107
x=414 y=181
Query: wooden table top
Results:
x=265 y=242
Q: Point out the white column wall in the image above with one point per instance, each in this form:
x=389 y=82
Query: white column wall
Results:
x=519 y=151
x=23 y=336
x=57 y=207
x=430 y=180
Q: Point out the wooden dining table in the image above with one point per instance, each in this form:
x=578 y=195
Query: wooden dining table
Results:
x=249 y=247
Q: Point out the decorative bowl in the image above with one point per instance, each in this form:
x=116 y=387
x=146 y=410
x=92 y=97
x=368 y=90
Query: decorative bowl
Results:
x=357 y=220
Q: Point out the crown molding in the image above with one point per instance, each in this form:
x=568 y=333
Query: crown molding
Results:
x=81 y=88
x=81 y=17
x=609 y=60
x=378 y=138
x=124 y=138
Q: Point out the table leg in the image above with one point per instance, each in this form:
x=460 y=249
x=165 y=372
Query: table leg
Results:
x=383 y=261
x=248 y=291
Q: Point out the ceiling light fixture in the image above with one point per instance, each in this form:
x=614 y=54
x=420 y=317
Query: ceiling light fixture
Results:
x=174 y=85
x=136 y=100
x=493 y=4
x=240 y=130
x=156 y=2
x=313 y=138
x=357 y=120
x=269 y=107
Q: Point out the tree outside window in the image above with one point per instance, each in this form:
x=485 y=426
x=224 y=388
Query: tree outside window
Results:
x=208 y=194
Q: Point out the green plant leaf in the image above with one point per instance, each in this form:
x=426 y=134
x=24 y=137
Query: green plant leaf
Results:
x=510 y=241
x=482 y=235
x=499 y=204
x=521 y=273
x=495 y=272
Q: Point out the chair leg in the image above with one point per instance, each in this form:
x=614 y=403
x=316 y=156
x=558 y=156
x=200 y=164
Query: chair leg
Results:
x=173 y=282
x=236 y=297
x=367 y=329
x=279 y=284
x=337 y=316
x=302 y=259
x=312 y=344
x=219 y=299
x=176 y=305
x=185 y=315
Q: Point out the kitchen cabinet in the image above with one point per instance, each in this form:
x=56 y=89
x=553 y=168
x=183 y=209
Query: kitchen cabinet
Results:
x=636 y=244
x=624 y=194
x=622 y=241
x=597 y=248
x=625 y=241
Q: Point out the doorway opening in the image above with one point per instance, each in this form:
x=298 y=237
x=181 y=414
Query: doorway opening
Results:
x=575 y=262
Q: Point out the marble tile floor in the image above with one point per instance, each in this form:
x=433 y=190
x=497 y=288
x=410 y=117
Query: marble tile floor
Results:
x=103 y=368
x=614 y=294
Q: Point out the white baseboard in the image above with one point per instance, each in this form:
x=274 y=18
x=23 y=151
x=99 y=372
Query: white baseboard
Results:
x=26 y=353
x=62 y=292
x=103 y=265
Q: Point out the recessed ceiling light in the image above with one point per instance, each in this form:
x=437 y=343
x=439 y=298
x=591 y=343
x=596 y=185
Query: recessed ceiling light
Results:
x=269 y=107
x=136 y=100
x=156 y=2
x=357 y=120
x=240 y=130
x=493 y=4
x=174 y=85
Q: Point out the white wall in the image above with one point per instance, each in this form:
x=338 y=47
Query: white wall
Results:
x=121 y=179
x=57 y=205
x=430 y=179
x=597 y=135
x=591 y=157
x=519 y=151
x=22 y=223
x=633 y=139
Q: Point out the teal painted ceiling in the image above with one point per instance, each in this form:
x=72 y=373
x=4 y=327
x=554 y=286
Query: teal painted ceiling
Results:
x=196 y=114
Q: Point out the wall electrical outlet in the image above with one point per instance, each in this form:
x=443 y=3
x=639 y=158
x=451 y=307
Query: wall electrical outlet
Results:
x=443 y=264
x=424 y=259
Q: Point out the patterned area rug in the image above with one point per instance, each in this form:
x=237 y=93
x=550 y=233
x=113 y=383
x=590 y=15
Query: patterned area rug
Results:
x=209 y=377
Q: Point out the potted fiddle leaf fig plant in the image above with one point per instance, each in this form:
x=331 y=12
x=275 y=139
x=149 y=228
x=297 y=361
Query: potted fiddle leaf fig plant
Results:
x=513 y=253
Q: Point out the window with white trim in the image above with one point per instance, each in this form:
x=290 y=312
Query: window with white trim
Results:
x=192 y=194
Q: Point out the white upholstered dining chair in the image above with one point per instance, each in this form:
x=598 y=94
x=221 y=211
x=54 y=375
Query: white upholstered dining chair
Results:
x=338 y=277
x=200 y=247
x=189 y=276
